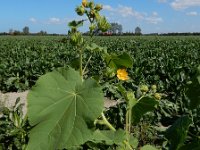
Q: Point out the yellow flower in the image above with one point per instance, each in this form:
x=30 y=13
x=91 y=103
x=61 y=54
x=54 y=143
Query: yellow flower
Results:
x=84 y=3
x=122 y=74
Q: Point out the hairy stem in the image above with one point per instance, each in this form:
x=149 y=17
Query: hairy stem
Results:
x=80 y=63
x=107 y=123
x=87 y=64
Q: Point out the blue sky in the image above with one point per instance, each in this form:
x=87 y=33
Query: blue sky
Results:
x=151 y=16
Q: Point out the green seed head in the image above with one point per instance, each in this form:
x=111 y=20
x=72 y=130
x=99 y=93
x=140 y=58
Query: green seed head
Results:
x=80 y=10
x=144 y=88
x=157 y=96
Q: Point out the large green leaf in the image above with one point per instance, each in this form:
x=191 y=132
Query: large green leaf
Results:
x=193 y=91
x=60 y=107
x=177 y=133
x=118 y=61
x=144 y=105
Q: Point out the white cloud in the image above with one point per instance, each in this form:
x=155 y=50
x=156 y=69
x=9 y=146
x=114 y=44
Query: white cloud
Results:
x=108 y=7
x=54 y=20
x=126 y=11
x=192 y=13
x=154 y=19
x=33 y=20
x=183 y=4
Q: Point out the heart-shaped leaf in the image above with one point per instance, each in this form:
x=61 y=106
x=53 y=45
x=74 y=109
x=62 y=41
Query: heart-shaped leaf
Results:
x=60 y=107
x=118 y=61
x=143 y=106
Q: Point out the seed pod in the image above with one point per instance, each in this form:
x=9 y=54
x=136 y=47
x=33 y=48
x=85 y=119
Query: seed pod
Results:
x=144 y=88
x=154 y=88
x=157 y=96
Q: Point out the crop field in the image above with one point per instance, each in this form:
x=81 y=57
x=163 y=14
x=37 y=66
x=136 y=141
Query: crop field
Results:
x=167 y=62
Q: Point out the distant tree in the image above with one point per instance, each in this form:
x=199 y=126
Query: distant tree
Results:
x=16 y=32
x=138 y=31
x=42 y=32
x=116 y=28
x=26 y=30
x=11 y=31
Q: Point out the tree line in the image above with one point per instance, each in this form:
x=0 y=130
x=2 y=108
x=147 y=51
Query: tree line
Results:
x=115 y=29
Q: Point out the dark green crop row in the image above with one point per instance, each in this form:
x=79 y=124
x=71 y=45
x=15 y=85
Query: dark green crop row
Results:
x=167 y=61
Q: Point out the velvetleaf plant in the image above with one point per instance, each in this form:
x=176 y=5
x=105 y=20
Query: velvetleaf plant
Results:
x=64 y=107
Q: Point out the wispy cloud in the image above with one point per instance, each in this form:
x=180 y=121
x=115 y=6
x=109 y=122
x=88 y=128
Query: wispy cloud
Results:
x=33 y=20
x=54 y=20
x=108 y=7
x=192 y=13
x=50 y=21
x=154 y=18
x=127 y=12
x=183 y=4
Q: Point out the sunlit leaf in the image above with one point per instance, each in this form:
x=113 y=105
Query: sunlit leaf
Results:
x=61 y=107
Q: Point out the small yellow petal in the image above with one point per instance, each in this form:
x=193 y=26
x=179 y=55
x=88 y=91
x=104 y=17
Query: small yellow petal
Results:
x=122 y=74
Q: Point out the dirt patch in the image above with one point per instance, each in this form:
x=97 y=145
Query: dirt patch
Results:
x=8 y=99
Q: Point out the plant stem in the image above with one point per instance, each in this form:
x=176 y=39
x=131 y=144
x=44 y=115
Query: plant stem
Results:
x=87 y=64
x=127 y=144
x=107 y=123
x=130 y=117
x=127 y=125
x=80 y=63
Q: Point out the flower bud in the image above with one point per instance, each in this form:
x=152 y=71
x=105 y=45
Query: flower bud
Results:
x=157 y=96
x=98 y=7
x=144 y=88
x=92 y=27
x=154 y=88
x=84 y=3
x=103 y=25
x=91 y=5
x=76 y=38
x=80 y=10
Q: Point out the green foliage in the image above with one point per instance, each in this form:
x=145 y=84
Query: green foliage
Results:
x=148 y=147
x=67 y=108
x=177 y=133
x=144 y=105
x=14 y=128
x=193 y=91
x=118 y=61
x=109 y=137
